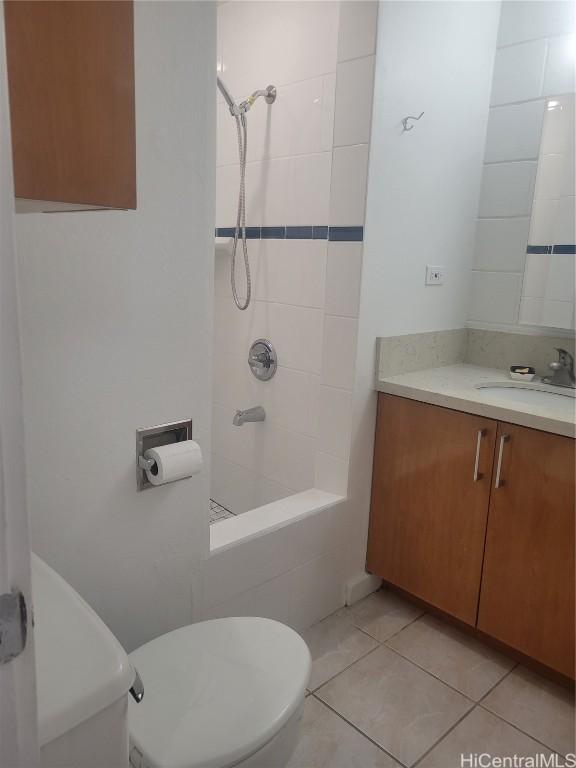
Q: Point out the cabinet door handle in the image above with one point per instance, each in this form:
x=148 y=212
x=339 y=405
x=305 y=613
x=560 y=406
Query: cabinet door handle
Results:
x=499 y=482
x=478 y=475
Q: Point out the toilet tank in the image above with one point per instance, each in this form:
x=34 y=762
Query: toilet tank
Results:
x=83 y=678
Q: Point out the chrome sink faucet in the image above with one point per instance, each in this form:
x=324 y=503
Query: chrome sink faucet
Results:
x=563 y=370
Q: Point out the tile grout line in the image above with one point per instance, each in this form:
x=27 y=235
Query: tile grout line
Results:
x=475 y=704
x=382 y=642
x=517 y=728
x=440 y=680
x=358 y=730
x=444 y=736
x=431 y=674
x=380 y=645
x=330 y=679
x=489 y=691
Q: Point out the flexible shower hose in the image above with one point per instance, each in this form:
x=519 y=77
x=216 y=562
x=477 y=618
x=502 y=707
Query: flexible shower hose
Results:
x=240 y=231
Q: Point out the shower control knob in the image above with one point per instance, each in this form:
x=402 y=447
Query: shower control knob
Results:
x=262 y=359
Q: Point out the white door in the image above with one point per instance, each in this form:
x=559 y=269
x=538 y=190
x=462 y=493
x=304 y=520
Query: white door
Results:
x=18 y=724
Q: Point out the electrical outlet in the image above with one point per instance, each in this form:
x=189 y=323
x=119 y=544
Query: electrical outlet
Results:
x=434 y=275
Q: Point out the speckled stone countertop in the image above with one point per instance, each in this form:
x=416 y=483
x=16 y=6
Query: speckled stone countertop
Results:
x=454 y=386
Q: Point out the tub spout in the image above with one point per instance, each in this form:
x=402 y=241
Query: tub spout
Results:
x=251 y=414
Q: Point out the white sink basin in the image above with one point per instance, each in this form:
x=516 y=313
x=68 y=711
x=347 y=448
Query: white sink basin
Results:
x=531 y=393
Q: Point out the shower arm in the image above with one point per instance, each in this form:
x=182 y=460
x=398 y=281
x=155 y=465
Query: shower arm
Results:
x=269 y=94
x=236 y=110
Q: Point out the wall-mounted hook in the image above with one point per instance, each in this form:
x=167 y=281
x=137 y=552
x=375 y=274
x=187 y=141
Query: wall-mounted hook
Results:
x=405 y=126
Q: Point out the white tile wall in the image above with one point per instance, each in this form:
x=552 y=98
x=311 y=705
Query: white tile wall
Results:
x=297 y=334
x=561 y=278
x=286 y=457
x=558 y=314
x=295 y=176
x=357 y=33
x=558 y=126
x=530 y=19
x=348 y=191
x=343 y=275
x=354 y=91
x=335 y=422
x=331 y=473
x=308 y=190
x=559 y=73
x=339 y=352
x=530 y=311
x=544 y=214
x=564 y=225
x=495 y=297
x=501 y=244
x=291 y=400
x=507 y=189
x=550 y=176
x=279 y=43
x=518 y=72
x=514 y=132
x=294 y=271
x=535 y=275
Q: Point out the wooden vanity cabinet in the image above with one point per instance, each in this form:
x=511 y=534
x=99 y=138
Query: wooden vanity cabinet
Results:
x=71 y=87
x=430 y=492
x=486 y=536
x=527 y=596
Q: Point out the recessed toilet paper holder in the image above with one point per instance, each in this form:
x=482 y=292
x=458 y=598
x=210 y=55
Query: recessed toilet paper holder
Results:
x=152 y=437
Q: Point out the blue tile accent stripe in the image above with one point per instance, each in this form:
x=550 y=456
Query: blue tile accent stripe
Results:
x=346 y=233
x=299 y=233
x=252 y=233
x=559 y=248
x=539 y=249
x=275 y=233
x=290 y=232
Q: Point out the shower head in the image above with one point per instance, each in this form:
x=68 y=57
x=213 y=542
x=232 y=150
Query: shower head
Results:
x=240 y=109
x=226 y=93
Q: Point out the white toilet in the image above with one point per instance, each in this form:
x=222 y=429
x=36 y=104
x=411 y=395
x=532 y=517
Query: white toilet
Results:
x=227 y=692
x=221 y=693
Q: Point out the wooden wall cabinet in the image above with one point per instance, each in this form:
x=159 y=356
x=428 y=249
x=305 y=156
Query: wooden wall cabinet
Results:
x=495 y=550
x=71 y=88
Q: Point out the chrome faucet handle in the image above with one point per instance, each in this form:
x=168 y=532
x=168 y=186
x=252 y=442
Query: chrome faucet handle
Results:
x=260 y=360
x=565 y=359
x=563 y=370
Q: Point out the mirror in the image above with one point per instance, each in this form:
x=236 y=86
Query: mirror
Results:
x=549 y=274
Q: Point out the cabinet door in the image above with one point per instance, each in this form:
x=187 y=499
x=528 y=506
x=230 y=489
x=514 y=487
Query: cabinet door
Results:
x=527 y=598
x=71 y=82
x=430 y=494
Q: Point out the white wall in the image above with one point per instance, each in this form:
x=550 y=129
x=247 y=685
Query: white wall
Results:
x=18 y=719
x=423 y=191
x=116 y=325
x=535 y=60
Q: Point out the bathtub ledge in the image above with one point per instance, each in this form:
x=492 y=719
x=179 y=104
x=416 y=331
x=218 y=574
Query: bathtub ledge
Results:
x=263 y=520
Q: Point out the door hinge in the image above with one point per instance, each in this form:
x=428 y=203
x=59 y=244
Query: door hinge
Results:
x=13 y=625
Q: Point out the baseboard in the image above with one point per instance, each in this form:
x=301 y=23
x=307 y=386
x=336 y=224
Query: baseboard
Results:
x=360 y=586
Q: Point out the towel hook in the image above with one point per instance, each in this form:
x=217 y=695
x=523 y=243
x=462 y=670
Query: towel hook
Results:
x=405 y=126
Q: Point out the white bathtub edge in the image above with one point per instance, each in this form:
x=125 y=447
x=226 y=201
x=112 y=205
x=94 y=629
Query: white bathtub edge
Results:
x=263 y=520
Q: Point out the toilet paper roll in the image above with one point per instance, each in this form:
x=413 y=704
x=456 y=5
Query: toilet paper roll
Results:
x=174 y=462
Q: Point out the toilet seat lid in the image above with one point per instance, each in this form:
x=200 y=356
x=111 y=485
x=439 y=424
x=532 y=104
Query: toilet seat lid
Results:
x=217 y=691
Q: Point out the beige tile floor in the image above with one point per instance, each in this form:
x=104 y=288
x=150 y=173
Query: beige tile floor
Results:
x=392 y=686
